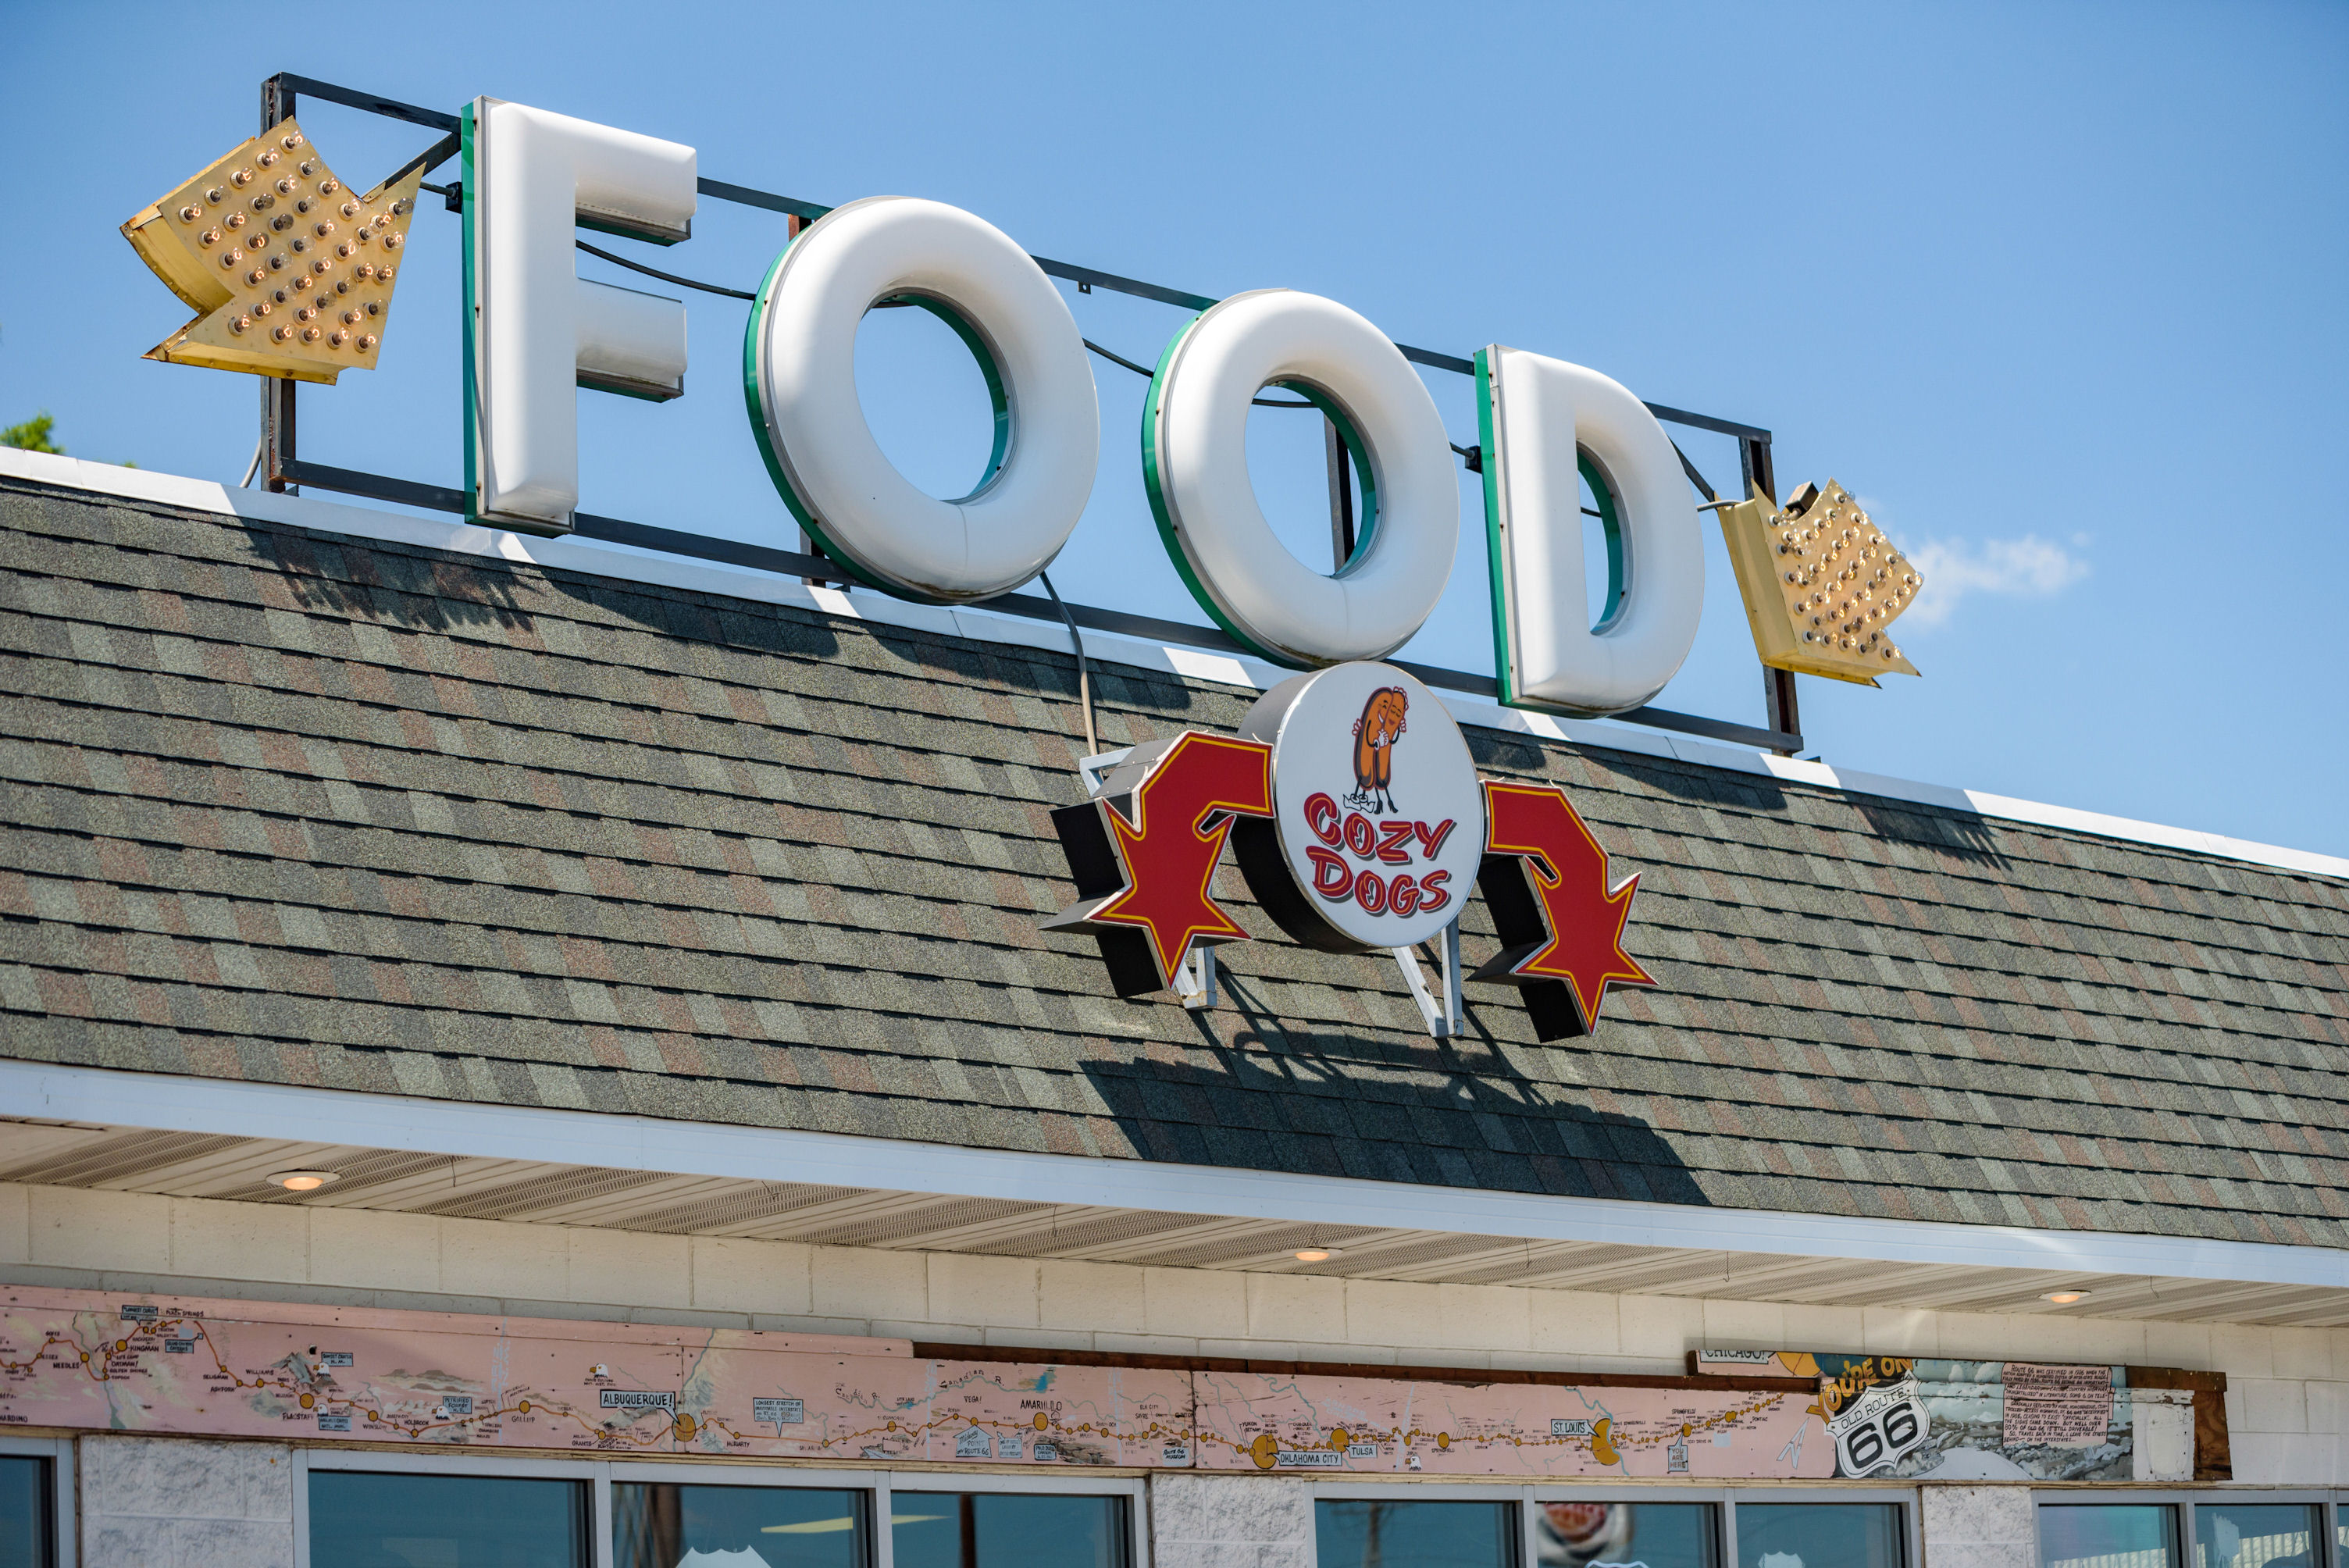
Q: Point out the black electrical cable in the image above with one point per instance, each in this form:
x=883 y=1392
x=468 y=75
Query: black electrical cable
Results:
x=665 y=277
x=430 y=158
x=1084 y=671
x=1145 y=370
x=1468 y=454
x=1695 y=477
x=1116 y=358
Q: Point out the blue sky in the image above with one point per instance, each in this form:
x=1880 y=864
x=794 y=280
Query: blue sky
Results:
x=2057 y=290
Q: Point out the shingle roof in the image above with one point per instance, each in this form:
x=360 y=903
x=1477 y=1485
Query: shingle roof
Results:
x=298 y=808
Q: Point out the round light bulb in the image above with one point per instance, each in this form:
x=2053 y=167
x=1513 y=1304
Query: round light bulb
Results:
x=303 y=1181
x=1316 y=1254
x=2064 y=1297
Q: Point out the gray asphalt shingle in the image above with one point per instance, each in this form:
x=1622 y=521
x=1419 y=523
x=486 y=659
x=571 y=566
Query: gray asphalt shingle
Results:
x=304 y=808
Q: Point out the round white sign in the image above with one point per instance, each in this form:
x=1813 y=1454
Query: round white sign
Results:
x=1378 y=822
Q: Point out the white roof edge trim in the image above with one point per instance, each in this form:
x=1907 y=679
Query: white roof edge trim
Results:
x=988 y=626
x=235 y=1109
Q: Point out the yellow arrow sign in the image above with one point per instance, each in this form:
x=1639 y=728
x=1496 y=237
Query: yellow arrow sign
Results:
x=1821 y=582
x=292 y=271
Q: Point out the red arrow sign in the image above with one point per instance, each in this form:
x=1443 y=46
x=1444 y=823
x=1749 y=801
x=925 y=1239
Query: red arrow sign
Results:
x=1144 y=851
x=1560 y=924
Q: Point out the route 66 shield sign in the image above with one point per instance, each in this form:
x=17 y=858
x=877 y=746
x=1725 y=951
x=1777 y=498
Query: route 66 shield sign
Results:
x=1875 y=1429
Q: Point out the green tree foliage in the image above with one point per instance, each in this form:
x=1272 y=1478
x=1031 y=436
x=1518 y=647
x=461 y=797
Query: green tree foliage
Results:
x=33 y=435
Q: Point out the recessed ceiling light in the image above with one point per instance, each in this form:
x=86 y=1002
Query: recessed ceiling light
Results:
x=2064 y=1297
x=305 y=1181
x=1316 y=1254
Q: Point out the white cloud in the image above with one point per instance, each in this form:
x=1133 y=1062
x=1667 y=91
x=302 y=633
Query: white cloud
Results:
x=2026 y=568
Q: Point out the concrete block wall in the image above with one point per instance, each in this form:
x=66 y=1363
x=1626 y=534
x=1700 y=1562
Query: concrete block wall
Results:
x=1230 y=1522
x=1978 y=1527
x=2288 y=1404
x=178 y=1502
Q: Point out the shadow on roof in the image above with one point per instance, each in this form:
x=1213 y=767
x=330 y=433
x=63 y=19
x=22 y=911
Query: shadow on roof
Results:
x=1958 y=835
x=1324 y=1101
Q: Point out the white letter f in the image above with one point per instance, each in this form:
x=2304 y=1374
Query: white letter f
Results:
x=536 y=330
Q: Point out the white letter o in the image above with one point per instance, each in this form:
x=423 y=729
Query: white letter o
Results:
x=799 y=372
x=1195 y=462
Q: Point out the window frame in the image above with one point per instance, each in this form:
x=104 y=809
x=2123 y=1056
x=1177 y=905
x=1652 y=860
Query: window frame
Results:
x=1723 y=1498
x=382 y=1462
x=1907 y=1498
x=2328 y=1503
x=1408 y=1491
x=65 y=1538
x=686 y=1469
x=1131 y=1485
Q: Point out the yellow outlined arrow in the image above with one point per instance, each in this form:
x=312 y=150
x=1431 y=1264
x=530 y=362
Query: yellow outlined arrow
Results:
x=292 y=272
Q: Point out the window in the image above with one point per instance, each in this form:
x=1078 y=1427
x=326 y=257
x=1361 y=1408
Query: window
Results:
x=1652 y=1534
x=27 y=1532
x=2257 y=1535
x=1820 y=1535
x=2107 y=1535
x=657 y=1524
x=360 y=1519
x=1350 y=1532
x=1006 y=1529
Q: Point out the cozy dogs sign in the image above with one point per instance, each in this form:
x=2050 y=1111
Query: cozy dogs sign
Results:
x=1359 y=825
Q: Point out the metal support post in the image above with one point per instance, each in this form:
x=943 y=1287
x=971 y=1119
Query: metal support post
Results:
x=1440 y=1013
x=278 y=102
x=277 y=431
x=1452 y=1015
x=1341 y=494
x=1778 y=700
x=1785 y=714
x=1195 y=981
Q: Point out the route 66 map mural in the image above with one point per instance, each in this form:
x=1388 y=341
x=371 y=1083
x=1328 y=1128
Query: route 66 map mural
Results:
x=77 y=1359
x=1268 y=1421
x=1898 y=1416
x=86 y=1360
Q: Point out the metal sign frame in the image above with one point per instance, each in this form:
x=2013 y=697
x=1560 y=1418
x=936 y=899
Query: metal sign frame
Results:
x=286 y=470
